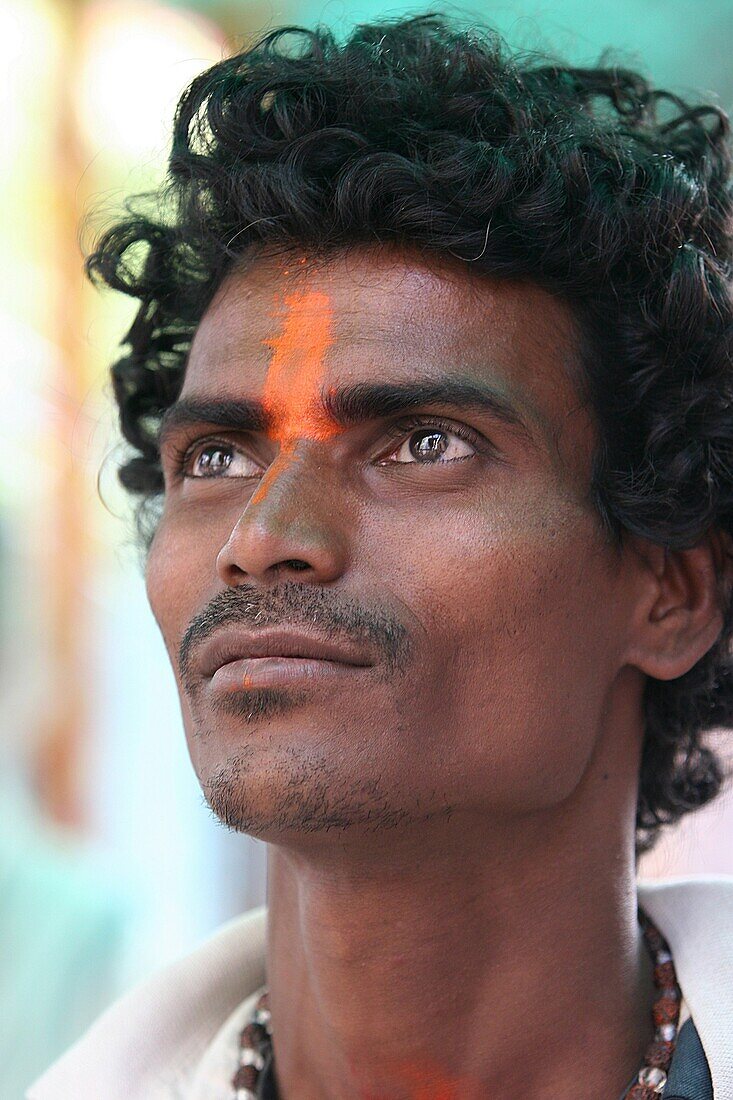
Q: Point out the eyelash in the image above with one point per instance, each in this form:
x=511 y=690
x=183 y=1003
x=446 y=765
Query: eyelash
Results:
x=182 y=453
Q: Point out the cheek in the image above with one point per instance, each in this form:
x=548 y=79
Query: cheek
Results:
x=175 y=574
x=518 y=662
x=175 y=578
x=160 y=579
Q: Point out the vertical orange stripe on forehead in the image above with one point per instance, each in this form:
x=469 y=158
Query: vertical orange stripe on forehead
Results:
x=295 y=375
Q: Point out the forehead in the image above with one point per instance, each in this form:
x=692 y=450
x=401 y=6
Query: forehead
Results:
x=387 y=316
x=388 y=300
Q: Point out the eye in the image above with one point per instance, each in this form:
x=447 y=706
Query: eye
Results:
x=430 y=445
x=216 y=459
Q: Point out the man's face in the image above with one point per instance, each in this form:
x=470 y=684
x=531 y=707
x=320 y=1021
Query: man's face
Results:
x=411 y=489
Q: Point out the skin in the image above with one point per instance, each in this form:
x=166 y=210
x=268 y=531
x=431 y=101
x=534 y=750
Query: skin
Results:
x=451 y=874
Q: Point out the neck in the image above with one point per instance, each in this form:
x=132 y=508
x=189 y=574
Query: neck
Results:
x=459 y=963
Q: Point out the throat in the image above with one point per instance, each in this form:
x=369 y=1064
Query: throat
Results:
x=393 y=998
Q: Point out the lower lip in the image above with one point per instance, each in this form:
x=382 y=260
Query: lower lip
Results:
x=258 y=672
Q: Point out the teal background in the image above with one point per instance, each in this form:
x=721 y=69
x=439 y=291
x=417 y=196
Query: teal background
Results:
x=686 y=45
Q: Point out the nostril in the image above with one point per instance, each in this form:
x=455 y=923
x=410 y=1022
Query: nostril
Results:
x=296 y=563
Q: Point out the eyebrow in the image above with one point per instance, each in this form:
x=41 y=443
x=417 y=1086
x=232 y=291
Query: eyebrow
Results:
x=348 y=406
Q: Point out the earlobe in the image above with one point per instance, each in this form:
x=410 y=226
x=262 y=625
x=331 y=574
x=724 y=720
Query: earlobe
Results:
x=679 y=612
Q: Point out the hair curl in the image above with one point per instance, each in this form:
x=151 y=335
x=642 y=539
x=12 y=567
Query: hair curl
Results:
x=606 y=191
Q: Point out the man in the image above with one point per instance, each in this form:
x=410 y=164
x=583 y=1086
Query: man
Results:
x=453 y=338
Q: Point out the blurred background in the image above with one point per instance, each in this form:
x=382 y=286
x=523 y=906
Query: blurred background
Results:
x=110 y=862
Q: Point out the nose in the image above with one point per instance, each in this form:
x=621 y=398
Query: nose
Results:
x=290 y=529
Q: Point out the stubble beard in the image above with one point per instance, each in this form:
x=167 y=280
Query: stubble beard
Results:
x=298 y=792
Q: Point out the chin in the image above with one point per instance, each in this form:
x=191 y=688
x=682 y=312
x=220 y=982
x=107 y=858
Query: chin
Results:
x=292 y=795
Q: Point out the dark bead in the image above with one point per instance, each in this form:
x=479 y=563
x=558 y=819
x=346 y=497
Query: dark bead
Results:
x=245 y=1078
x=641 y=1092
x=664 y=975
x=252 y=1035
x=666 y=1011
x=659 y=1054
x=655 y=940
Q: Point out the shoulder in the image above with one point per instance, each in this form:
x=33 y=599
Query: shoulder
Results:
x=147 y=1045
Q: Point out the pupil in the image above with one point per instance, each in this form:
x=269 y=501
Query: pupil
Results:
x=428 y=444
x=207 y=459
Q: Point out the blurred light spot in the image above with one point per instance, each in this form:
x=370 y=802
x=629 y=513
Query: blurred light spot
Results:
x=136 y=59
x=28 y=45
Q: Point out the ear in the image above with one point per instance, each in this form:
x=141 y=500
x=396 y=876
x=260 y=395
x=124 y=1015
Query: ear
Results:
x=679 y=610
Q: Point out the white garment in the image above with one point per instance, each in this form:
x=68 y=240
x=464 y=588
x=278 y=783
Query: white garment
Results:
x=174 y=1036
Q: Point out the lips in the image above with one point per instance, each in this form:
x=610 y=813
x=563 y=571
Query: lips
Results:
x=236 y=643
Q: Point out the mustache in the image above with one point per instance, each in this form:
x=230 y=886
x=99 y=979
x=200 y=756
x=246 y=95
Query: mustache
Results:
x=293 y=604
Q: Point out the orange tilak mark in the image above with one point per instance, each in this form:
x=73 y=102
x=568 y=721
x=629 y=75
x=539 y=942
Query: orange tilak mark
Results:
x=297 y=367
x=294 y=377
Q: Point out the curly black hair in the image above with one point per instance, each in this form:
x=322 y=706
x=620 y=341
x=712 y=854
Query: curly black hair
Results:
x=606 y=191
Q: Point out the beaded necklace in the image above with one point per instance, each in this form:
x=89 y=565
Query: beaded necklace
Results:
x=255 y=1040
